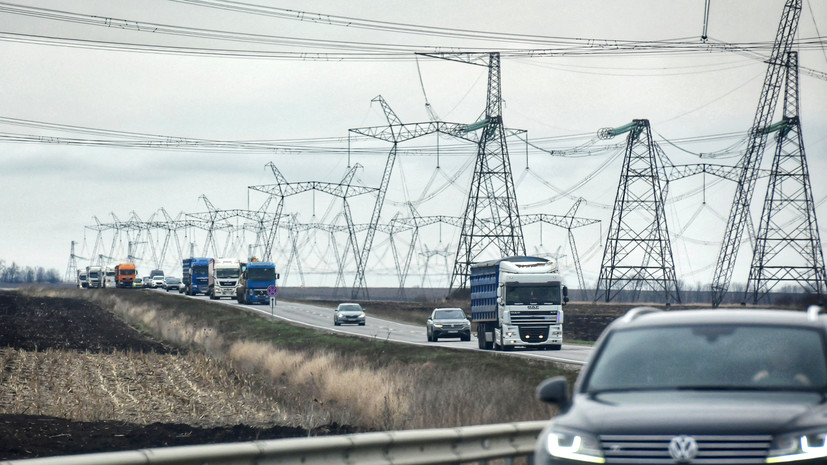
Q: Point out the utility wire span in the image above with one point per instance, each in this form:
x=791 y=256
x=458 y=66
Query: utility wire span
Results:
x=306 y=49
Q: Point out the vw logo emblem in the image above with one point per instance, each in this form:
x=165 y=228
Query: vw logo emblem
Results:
x=683 y=448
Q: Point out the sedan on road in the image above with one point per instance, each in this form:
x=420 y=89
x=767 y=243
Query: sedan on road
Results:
x=349 y=313
x=171 y=282
x=448 y=322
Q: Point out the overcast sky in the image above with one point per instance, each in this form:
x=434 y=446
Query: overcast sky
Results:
x=696 y=102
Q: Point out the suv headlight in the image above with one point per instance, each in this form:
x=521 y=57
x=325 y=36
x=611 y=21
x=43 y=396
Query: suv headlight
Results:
x=570 y=445
x=799 y=446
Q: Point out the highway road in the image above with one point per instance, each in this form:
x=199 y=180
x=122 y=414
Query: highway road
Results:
x=377 y=328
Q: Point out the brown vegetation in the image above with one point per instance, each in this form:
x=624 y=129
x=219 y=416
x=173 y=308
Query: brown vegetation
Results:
x=223 y=373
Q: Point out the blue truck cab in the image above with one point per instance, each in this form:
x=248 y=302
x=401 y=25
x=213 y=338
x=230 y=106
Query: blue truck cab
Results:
x=195 y=276
x=255 y=278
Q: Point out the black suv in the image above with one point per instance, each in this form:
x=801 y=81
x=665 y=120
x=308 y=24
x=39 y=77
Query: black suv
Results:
x=695 y=387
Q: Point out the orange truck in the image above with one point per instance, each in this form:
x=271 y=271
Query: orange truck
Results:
x=125 y=274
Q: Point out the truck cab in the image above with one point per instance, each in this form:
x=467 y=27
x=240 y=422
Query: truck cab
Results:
x=518 y=302
x=93 y=276
x=125 y=274
x=223 y=274
x=195 y=276
x=107 y=276
x=256 y=277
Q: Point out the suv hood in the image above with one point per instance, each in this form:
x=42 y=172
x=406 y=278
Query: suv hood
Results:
x=695 y=412
x=451 y=321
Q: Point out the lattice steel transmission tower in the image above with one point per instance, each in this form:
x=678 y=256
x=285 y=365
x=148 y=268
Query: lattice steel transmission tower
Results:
x=72 y=267
x=788 y=246
x=491 y=214
x=751 y=161
x=638 y=251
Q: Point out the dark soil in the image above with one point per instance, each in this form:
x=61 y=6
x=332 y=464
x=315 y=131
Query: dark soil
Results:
x=35 y=323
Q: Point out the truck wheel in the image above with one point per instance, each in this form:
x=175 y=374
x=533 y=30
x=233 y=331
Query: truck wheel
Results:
x=557 y=347
x=481 y=337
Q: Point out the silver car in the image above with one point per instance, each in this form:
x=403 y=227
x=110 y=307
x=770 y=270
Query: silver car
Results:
x=349 y=313
x=448 y=322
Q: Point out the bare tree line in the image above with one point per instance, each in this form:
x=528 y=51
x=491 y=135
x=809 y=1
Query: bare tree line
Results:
x=15 y=273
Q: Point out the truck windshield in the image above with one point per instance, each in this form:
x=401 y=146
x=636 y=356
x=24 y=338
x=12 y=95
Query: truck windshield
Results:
x=533 y=294
x=226 y=273
x=128 y=272
x=199 y=269
x=261 y=274
x=93 y=274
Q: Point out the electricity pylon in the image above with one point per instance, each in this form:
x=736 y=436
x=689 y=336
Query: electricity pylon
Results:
x=492 y=217
x=788 y=245
x=638 y=251
x=751 y=161
x=72 y=267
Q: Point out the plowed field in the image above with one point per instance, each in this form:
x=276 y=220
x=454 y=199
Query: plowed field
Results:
x=74 y=379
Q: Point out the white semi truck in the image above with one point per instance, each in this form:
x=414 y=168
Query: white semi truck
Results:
x=518 y=301
x=94 y=276
x=223 y=277
x=108 y=276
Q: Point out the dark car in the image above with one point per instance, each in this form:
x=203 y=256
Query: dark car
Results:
x=349 y=313
x=448 y=322
x=172 y=283
x=695 y=387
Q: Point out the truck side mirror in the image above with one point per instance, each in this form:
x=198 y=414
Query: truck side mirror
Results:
x=565 y=294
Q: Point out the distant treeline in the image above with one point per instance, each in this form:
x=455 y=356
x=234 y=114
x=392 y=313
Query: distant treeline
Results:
x=15 y=273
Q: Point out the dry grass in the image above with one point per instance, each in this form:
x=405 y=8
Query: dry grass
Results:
x=243 y=381
x=132 y=387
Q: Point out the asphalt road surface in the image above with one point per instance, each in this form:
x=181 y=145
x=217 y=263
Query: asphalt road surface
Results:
x=377 y=328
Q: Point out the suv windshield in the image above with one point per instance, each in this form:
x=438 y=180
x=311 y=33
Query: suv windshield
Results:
x=453 y=314
x=710 y=357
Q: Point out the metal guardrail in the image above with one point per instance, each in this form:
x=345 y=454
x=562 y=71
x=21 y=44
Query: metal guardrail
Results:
x=410 y=447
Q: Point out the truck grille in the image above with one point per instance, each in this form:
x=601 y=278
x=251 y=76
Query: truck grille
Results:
x=226 y=283
x=535 y=317
x=534 y=334
x=654 y=450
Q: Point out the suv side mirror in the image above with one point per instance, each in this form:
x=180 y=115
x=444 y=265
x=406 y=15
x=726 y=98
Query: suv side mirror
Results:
x=554 y=391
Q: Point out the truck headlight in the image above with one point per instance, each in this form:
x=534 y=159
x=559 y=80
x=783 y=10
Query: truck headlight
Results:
x=799 y=446
x=569 y=445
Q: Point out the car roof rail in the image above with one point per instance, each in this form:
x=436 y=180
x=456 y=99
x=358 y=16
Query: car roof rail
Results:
x=813 y=311
x=635 y=312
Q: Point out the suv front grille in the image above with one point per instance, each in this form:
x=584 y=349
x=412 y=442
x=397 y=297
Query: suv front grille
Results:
x=654 y=450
